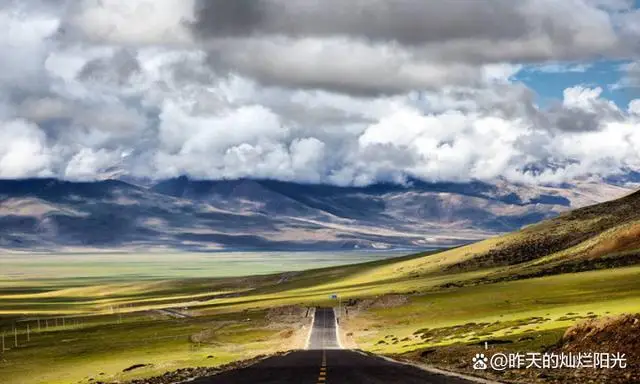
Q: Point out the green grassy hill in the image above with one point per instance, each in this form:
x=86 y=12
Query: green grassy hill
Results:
x=587 y=233
x=597 y=237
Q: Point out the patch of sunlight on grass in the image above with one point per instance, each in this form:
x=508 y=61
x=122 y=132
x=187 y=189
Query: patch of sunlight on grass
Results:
x=561 y=300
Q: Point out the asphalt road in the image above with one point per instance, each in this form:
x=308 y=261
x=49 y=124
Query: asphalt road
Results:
x=324 y=362
x=323 y=334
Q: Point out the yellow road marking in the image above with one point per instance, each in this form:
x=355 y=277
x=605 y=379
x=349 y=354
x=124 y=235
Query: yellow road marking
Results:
x=322 y=377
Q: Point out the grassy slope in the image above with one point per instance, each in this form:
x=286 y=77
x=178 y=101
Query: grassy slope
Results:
x=536 y=304
x=101 y=350
x=462 y=295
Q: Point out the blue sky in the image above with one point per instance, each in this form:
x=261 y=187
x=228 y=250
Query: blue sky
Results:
x=549 y=81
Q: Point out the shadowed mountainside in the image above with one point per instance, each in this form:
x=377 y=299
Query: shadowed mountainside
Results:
x=49 y=214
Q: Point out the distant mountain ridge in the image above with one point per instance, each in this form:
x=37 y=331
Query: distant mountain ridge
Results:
x=182 y=186
x=249 y=214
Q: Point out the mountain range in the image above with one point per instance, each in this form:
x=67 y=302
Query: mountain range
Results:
x=247 y=214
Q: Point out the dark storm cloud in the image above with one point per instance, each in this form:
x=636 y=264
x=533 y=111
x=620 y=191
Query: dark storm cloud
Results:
x=405 y=21
x=223 y=18
x=383 y=47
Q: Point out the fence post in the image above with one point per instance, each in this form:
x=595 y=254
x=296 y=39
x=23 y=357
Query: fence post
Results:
x=38 y=324
x=28 y=335
x=3 y=342
x=15 y=336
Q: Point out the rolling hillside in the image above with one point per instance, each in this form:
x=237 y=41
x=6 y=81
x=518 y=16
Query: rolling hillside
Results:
x=600 y=236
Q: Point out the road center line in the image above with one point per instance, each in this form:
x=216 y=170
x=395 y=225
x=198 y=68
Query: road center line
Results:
x=322 y=377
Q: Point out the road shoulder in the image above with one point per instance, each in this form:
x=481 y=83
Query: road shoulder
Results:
x=430 y=369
